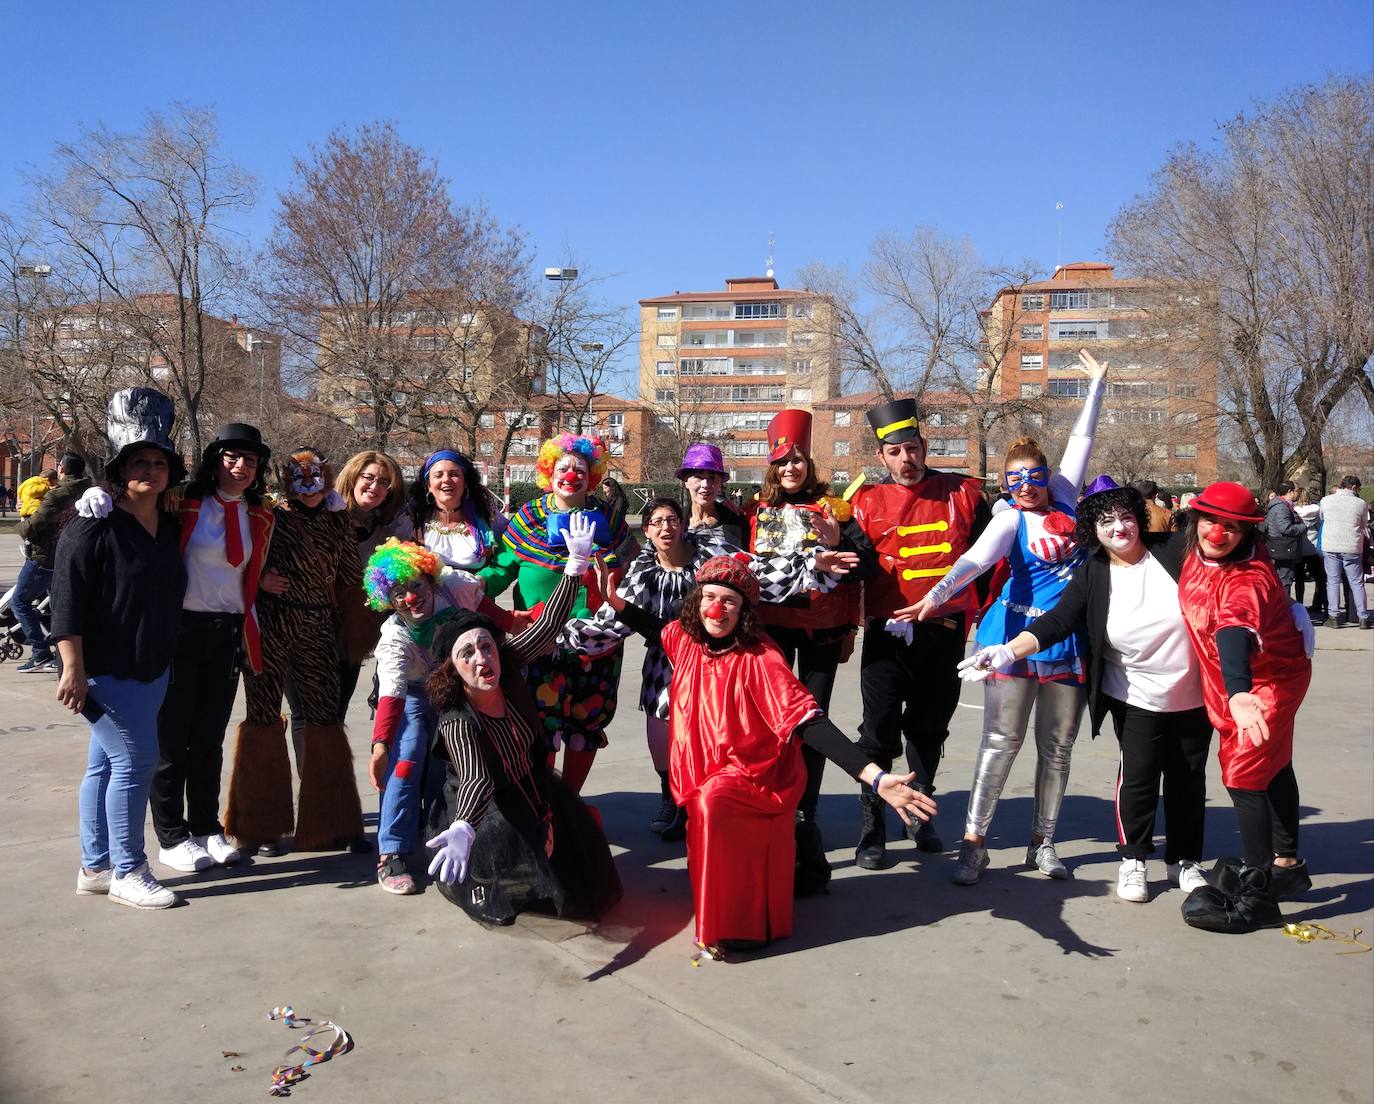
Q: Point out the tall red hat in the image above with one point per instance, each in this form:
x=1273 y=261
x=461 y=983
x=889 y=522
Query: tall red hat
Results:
x=788 y=428
x=1228 y=500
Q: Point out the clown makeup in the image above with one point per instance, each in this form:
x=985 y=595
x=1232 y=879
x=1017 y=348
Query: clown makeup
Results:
x=703 y=487
x=1217 y=537
x=1118 y=532
x=413 y=601
x=307 y=477
x=1028 y=484
x=905 y=462
x=571 y=477
x=446 y=485
x=476 y=659
x=792 y=471
x=720 y=607
x=372 y=487
x=237 y=470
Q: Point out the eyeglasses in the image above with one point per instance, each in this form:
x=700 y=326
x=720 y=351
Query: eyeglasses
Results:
x=669 y=522
x=1038 y=476
x=248 y=460
x=381 y=481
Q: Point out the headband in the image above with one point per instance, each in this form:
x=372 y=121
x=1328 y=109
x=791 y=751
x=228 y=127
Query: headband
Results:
x=434 y=457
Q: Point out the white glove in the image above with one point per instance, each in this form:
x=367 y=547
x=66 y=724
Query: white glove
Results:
x=1303 y=623
x=983 y=662
x=95 y=503
x=450 y=862
x=581 y=539
x=900 y=629
x=334 y=502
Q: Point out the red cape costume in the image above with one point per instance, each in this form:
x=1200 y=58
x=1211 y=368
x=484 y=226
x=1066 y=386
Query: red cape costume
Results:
x=1247 y=594
x=734 y=765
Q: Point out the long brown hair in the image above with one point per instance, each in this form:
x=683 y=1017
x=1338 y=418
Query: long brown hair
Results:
x=395 y=495
x=746 y=629
x=1249 y=535
x=772 y=494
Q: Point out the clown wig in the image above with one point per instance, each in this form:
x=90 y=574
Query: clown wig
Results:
x=591 y=449
x=396 y=563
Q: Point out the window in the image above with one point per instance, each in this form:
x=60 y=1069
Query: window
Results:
x=841 y=418
x=1159 y=450
x=1032 y=362
x=1137 y=389
x=801 y=310
x=1032 y=390
x=802 y=366
x=664 y=394
x=801 y=394
x=705 y=366
x=1067 y=388
x=1187 y=390
x=1077 y=330
x=841 y=448
x=667 y=341
x=947 y=418
x=1186 y=478
x=667 y=314
x=364 y=396
x=747 y=448
x=1032 y=302
x=1185 y=418
x=806 y=337
x=1032 y=333
x=1079 y=300
x=486 y=421
x=840 y=475
x=521 y=473
x=1185 y=452
x=615 y=419
x=758 y=310
x=667 y=368
x=946 y=446
x=484 y=448
x=1135 y=416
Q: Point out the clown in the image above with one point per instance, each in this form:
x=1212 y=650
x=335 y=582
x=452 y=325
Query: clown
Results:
x=410 y=581
x=575 y=698
x=312 y=559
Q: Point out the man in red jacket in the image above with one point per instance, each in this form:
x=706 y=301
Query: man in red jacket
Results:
x=916 y=522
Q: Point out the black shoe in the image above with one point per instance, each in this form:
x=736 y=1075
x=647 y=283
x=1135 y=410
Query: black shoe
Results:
x=359 y=845
x=1287 y=883
x=1225 y=874
x=667 y=813
x=677 y=828
x=269 y=850
x=812 y=872
x=1249 y=909
x=924 y=836
x=872 y=849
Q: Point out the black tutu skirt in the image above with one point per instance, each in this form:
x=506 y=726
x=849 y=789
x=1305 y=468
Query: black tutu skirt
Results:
x=508 y=871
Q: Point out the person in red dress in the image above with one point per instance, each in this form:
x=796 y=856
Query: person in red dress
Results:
x=736 y=706
x=1255 y=673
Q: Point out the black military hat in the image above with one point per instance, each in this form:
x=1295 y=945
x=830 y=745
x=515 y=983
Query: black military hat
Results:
x=895 y=422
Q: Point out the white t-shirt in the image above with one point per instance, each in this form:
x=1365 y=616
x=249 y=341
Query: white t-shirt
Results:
x=212 y=586
x=1148 y=661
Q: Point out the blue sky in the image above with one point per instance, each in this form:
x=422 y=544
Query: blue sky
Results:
x=662 y=143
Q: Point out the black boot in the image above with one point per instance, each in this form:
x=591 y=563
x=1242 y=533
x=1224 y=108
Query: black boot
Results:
x=812 y=874
x=922 y=833
x=1250 y=908
x=872 y=848
x=1289 y=882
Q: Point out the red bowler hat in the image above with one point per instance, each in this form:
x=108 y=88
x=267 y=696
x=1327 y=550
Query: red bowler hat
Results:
x=788 y=428
x=1228 y=500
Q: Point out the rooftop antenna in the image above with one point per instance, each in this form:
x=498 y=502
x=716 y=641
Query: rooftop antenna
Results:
x=1058 y=236
x=769 y=273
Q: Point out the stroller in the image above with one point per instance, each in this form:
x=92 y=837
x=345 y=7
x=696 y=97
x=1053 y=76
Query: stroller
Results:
x=12 y=638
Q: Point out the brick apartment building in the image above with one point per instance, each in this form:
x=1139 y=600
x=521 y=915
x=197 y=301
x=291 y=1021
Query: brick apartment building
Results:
x=717 y=365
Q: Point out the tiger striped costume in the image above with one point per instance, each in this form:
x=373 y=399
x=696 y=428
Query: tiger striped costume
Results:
x=317 y=553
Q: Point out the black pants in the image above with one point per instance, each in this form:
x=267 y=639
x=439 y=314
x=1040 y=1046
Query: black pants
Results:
x=1268 y=819
x=348 y=682
x=1154 y=746
x=190 y=727
x=910 y=692
x=816 y=664
x=1289 y=572
x=1312 y=567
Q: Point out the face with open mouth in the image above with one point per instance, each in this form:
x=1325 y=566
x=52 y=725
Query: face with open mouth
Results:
x=477 y=660
x=570 y=476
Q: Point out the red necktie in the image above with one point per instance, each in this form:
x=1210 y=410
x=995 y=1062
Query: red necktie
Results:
x=233 y=537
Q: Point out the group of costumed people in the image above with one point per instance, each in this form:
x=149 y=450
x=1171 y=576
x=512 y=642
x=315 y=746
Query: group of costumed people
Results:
x=163 y=594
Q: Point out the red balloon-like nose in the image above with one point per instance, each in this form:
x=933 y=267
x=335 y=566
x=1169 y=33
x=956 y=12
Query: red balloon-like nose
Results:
x=713 y=610
x=1216 y=534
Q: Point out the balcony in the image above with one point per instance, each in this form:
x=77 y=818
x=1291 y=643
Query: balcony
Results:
x=735 y=339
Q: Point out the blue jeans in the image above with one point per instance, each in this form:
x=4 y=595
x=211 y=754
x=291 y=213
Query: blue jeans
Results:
x=1347 y=563
x=33 y=583
x=412 y=775
x=113 y=798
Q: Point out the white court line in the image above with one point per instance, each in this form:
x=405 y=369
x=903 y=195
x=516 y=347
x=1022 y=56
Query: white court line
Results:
x=965 y=705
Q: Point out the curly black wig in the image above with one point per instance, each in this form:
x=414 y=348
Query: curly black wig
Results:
x=1095 y=507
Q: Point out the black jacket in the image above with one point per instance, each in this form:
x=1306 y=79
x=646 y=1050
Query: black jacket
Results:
x=42 y=528
x=1083 y=605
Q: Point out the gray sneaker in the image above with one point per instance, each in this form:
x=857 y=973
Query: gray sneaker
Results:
x=1046 y=860
x=972 y=861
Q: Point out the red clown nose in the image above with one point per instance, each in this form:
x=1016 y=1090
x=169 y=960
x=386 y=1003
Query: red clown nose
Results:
x=713 y=609
x=1216 y=533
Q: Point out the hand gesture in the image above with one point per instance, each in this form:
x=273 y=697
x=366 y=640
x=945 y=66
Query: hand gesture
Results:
x=452 y=847
x=911 y=805
x=1248 y=712
x=1088 y=364
x=520 y=620
x=606 y=583
x=900 y=629
x=826 y=527
x=274 y=582
x=581 y=539
x=833 y=562
x=376 y=767
x=95 y=503
x=919 y=612
x=977 y=667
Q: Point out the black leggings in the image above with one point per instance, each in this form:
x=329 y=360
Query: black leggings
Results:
x=1268 y=819
x=816 y=664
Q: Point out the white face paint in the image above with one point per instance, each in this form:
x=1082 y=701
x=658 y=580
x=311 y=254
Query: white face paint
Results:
x=570 y=475
x=1118 y=532
x=477 y=660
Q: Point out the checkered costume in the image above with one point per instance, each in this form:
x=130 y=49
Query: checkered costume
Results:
x=650 y=586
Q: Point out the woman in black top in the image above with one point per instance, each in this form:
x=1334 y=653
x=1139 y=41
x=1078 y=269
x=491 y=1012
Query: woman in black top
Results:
x=117 y=594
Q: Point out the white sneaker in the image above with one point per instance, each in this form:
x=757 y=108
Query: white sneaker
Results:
x=220 y=850
x=139 y=889
x=95 y=882
x=188 y=856
x=1130 y=881
x=1187 y=875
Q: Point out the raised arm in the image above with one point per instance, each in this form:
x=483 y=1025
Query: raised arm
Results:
x=540 y=637
x=1074 y=466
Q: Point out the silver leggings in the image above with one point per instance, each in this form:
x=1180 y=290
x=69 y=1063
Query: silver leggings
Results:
x=1006 y=711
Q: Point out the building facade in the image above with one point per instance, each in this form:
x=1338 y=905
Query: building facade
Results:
x=718 y=365
x=843 y=445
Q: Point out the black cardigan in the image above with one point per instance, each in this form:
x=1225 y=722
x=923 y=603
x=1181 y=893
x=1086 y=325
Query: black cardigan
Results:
x=1083 y=605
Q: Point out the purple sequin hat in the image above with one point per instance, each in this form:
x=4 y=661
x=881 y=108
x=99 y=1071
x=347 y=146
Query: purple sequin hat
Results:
x=1098 y=485
x=701 y=457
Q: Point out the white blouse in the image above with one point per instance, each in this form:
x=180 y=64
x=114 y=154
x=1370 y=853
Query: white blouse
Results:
x=212 y=586
x=1148 y=661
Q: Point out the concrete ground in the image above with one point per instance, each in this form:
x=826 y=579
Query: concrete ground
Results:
x=896 y=986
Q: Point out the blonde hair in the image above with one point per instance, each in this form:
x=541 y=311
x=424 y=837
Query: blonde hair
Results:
x=348 y=481
x=1025 y=448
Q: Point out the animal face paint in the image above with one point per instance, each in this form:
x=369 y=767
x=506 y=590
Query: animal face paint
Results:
x=306 y=476
x=570 y=475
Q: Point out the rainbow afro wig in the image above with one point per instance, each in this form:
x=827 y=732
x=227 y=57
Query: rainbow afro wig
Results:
x=591 y=449
x=396 y=563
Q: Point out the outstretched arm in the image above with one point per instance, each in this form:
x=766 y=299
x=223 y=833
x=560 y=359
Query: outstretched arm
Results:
x=1074 y=466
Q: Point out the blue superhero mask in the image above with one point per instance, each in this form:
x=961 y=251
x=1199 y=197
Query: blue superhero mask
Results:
x=1038 y=476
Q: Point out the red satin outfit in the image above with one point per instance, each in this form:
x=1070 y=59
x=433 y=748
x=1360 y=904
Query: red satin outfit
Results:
x=918 y=533
x=1216 y=595
x=733 y=763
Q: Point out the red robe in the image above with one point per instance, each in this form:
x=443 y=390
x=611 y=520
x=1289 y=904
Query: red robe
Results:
x=733 y=763
x=1247 y=594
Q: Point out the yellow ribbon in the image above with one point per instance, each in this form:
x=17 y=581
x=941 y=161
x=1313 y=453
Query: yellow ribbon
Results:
x=854 y=485
x=905 y=423
x=1305 y=932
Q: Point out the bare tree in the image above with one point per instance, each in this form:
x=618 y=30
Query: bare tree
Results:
x=584 y=337
x=1266 y=241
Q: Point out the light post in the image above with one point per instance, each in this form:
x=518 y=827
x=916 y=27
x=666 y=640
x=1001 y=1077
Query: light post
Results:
x=563 y=276
x=254 y=347
x=33 y=272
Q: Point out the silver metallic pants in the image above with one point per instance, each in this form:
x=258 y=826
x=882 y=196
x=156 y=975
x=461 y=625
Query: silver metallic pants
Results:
x=1006 y=712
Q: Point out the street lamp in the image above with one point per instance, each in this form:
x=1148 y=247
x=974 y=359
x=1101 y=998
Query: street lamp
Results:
x=38 y=272
x=561 y=274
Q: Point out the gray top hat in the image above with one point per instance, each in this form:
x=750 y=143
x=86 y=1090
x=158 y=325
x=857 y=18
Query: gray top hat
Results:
x=142 y=417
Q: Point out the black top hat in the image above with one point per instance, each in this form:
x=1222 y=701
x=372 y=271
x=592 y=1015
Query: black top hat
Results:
x=894 y=422
x=142 y=417
x=242 y=434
